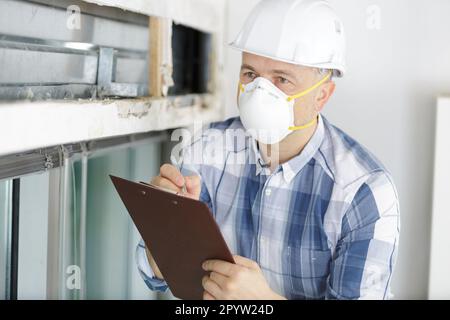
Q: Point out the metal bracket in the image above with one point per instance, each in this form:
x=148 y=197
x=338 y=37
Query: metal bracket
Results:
x=48 y=164
x=106 y=78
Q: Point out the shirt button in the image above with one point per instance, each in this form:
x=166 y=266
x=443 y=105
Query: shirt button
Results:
x=268 y=192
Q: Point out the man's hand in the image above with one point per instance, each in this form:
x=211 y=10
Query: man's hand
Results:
x=241 y=281
x=171 y=178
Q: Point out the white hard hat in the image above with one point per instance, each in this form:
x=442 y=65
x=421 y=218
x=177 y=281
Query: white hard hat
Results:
x=304 y=32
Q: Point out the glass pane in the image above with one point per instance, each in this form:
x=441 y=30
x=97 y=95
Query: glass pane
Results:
x=111 y=236
x=33 y=230
x=5 y=218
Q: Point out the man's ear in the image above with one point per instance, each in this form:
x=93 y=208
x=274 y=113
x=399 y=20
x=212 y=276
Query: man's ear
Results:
x=324 y=94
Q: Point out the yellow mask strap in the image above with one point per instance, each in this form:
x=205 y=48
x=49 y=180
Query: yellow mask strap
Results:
x=303 y=93
x=241 y=87
x=309 y=124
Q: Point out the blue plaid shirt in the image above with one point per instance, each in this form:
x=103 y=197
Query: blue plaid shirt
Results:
x=324 y=225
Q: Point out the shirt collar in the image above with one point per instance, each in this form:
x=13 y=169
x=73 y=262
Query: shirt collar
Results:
x=257 y=159
x=293 y=166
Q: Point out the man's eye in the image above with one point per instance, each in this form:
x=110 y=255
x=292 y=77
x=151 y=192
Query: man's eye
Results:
x=250 y=75
x=283 y=80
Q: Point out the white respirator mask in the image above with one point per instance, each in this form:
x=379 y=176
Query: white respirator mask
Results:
x=267 y=113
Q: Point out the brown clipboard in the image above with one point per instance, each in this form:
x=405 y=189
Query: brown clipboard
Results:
x=180 y=232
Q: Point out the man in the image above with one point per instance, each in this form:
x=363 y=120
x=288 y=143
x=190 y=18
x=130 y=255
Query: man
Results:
x=309 y=212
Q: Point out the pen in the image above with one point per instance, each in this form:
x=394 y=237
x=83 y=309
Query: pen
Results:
x=161 y=188
x=180 y=167
x=183 y=188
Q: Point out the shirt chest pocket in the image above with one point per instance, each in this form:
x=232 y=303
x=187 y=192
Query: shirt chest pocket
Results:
x=309 y=270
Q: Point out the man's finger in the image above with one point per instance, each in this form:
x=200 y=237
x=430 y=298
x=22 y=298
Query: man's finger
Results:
x=211 y=287
x=193 y=185
x=243 y=261
x=208 y=296
x=219 y=266
x=171 y=173
x=218 y=278
x=164 y=183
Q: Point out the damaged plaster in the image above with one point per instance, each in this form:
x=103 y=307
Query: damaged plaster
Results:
x=205 y=15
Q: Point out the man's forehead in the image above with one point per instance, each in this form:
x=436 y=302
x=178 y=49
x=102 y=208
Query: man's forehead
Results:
x=260 y=63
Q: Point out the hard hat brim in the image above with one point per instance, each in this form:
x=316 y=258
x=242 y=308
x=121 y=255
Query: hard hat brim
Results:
x=338 y=70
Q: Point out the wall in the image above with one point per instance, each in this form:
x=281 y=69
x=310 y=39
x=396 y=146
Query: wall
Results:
x=387 y=101
x=439 y=285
